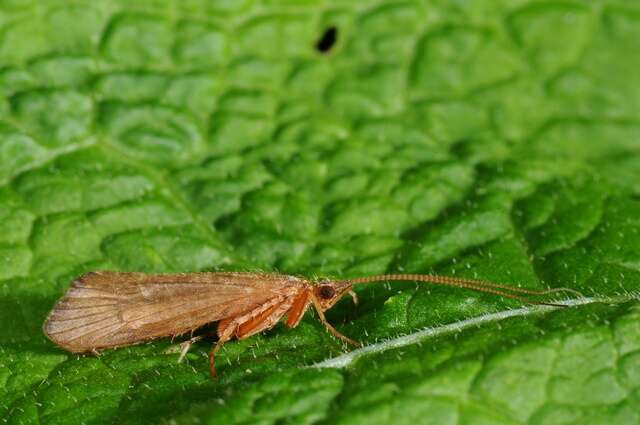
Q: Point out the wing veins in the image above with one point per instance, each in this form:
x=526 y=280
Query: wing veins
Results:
x=66 y=319
x=83 y=307
x=110 y=317
x=208 y=306
x=117 y=326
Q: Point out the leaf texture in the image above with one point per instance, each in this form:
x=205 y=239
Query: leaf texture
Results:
x=495 y=140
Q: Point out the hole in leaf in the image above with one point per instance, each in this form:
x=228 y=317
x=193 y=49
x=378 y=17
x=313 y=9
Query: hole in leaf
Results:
x=328 y=39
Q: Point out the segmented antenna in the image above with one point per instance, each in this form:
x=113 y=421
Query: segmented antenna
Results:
x=473 y=284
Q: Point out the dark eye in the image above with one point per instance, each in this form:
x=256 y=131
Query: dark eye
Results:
x=327 y=292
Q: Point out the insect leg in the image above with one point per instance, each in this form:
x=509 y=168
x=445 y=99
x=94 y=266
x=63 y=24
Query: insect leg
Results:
x=183 y=347
x=222 y=338
x=330 y=328
x=263 y=321
x=298 y=308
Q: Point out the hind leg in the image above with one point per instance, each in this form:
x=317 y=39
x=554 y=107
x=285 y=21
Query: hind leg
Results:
x=225 y=336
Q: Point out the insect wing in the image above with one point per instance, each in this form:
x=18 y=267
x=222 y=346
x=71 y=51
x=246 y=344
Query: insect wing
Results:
x=108 y=309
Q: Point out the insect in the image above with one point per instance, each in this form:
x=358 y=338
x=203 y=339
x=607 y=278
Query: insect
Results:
x=112 y=309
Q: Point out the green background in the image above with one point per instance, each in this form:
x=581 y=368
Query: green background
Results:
x=489 y=139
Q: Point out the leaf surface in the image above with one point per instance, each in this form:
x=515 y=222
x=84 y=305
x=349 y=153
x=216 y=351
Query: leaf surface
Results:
x=490 y=139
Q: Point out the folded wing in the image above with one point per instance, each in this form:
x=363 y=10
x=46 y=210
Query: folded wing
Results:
x=109 y=309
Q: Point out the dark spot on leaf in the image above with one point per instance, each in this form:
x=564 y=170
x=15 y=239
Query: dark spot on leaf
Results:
x=328 y=39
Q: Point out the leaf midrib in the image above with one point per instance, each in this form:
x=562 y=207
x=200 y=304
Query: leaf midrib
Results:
x=347 y=359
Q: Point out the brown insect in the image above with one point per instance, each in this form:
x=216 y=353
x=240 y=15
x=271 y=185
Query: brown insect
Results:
x=110 y=309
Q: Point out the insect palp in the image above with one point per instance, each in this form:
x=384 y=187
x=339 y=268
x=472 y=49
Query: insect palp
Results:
x=354 y=297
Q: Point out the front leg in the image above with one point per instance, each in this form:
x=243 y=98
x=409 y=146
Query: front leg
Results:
x=330 y=328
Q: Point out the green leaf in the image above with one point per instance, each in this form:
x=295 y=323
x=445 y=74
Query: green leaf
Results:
x=488 y=139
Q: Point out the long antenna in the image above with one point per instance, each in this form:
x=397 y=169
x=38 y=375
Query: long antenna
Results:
x=476 y=285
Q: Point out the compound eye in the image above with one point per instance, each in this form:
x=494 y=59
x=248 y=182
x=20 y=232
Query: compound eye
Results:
x=326 y=292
